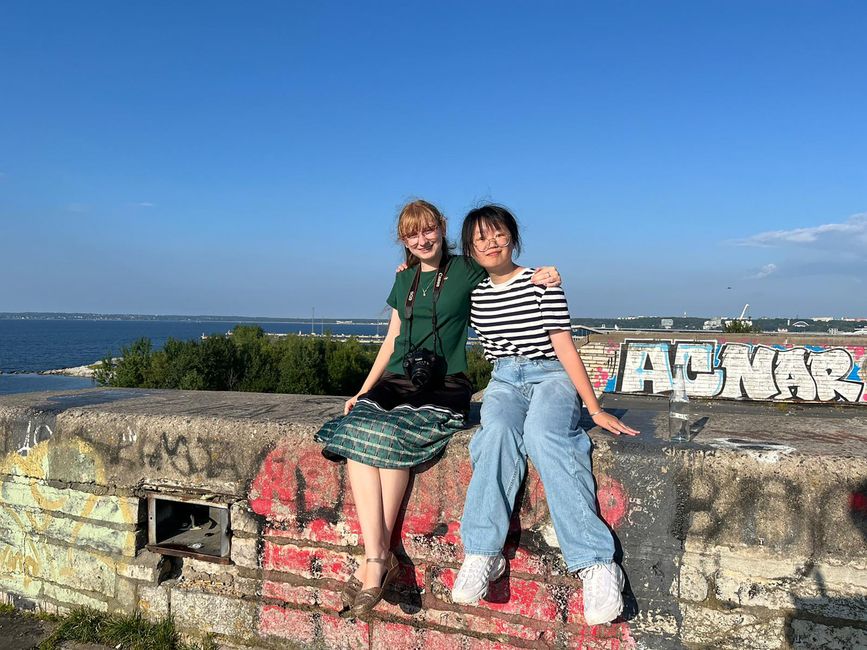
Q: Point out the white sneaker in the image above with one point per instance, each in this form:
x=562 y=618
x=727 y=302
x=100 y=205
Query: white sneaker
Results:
x=603 y=584
x=476 y=573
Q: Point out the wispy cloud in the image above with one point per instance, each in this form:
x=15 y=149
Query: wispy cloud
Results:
x=764 y=272
x=854 y=228
x=144 y=204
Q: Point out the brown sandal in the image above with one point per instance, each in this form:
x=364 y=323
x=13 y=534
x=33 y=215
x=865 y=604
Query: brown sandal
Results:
x=367 y=599
x=350 y=591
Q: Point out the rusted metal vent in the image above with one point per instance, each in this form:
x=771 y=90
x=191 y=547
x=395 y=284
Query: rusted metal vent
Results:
x=188 y=527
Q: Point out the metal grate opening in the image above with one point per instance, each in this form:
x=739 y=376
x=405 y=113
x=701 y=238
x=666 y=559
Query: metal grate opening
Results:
x=188 y=527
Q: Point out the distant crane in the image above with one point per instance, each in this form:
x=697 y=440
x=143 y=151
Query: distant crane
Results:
x=742 y=318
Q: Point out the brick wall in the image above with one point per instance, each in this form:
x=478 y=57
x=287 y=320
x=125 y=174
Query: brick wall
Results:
x=725 y=546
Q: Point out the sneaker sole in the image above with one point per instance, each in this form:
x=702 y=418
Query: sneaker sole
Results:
x=496 y=575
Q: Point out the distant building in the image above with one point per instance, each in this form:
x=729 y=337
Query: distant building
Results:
x=667 y=323
x=712 y=324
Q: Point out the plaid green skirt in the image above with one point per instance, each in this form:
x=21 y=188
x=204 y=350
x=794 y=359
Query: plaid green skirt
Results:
x=396 y=425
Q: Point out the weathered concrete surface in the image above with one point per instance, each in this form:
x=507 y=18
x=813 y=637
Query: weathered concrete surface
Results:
x=211 y=441
x=750 y=536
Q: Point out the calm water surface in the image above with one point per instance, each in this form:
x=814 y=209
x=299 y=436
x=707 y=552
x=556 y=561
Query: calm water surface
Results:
x=31 y=346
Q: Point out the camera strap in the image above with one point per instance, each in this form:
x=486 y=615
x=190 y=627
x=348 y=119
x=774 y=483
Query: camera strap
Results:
x=408 y=308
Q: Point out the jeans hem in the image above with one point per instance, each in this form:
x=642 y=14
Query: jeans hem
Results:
x=577 y=566
x=469 y=551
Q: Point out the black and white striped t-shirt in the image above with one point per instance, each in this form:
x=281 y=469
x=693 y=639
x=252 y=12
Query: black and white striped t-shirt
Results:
x=513 y=318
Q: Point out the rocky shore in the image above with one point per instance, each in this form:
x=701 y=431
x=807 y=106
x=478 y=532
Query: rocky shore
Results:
x=78 y=371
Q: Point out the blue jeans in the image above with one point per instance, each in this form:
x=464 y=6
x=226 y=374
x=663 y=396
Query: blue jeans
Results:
x=531 y=409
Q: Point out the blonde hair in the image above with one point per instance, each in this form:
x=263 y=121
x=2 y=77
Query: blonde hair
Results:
x=414 y=217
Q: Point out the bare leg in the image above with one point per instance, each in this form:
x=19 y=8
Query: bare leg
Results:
x=393 y=482
x=367 y=493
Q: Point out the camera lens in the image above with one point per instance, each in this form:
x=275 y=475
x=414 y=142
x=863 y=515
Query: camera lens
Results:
x=420 y=375
x=420 y=366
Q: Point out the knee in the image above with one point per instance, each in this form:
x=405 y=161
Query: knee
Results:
x=495 y=437
x=539 y=439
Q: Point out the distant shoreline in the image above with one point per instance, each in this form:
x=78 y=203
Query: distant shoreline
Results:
x=815 y=325
x=182 y=318
x=86 y=372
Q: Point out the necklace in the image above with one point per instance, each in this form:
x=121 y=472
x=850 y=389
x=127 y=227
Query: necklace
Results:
x=425 y=290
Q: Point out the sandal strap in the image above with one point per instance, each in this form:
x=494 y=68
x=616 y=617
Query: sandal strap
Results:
x=378 y=560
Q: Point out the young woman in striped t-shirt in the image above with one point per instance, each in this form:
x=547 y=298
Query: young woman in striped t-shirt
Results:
x=398 y=420
x=531 y=407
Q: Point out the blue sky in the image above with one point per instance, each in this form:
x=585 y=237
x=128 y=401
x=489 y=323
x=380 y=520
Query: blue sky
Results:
x=250 y=158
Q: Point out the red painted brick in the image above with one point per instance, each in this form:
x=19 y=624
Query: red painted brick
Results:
x=318 y=530
x=338 y=633
x=432 y=548
x=421 y=518
x=278 y=493
x=437 y=497
x=575 y=607
x=302 y=595
x=534 y=507
x=507 y=595
x=524 y=561
x=393 y=636
x=483 y=623
x=307 y=562
x=613 y=500
x=313 y=628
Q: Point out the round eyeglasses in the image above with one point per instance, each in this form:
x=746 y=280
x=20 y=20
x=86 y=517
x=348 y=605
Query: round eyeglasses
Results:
x=428 y=233
x=483 y=244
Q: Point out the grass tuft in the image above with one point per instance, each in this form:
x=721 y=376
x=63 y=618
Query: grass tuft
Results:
x=124 y=631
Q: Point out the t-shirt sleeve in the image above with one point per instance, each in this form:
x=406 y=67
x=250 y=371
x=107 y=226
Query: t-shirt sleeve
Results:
x=393 y=296
x=555 y=311
x=475 y=273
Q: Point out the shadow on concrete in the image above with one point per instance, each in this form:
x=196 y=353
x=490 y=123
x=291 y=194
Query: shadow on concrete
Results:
x=696 y=427
x=91 y=397
x=826 y=622
x=406 y=592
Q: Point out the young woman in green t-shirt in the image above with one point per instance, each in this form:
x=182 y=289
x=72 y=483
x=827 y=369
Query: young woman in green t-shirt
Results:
x=415 y=396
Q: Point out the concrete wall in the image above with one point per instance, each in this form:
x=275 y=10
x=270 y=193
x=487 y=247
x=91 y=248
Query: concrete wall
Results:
x=765 y=367
x=752 y=536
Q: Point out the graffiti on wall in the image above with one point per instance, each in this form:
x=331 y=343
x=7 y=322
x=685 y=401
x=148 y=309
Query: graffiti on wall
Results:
x=743 y=370
x=35 y=516
x=310 y=529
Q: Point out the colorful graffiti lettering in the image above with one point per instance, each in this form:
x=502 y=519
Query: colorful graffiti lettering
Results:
x=742 y=370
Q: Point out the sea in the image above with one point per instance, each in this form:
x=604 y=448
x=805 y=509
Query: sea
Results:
x=30 y=346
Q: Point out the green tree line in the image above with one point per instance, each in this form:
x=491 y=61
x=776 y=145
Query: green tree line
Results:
x=249 y=360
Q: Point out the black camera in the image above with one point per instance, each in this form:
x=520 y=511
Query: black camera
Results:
x=421 y=366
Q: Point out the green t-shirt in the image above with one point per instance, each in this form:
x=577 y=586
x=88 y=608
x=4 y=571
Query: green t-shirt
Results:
x=453 y=313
